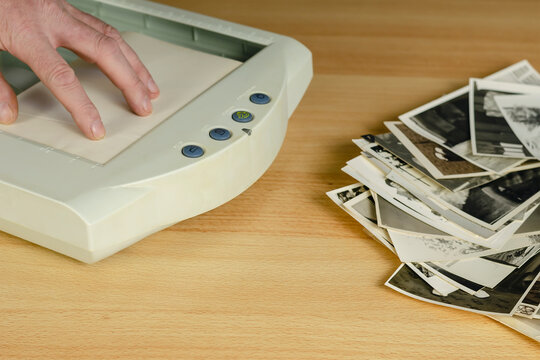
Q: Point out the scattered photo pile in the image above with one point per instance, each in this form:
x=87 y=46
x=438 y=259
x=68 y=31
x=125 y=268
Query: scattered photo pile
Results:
x=453 y=190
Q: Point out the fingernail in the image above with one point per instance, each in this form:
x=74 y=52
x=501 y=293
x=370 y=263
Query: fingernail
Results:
x=152 y=87
x=98 y=131
x=6 y=115
x=147 y=105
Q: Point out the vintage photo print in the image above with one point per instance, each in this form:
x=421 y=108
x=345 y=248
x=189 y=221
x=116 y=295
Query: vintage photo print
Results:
x=346 y=193
x=391 y=143
x=426 y=189
x=530 y=303
x=527 y=327
x=478 y=270
x=418 y=247
x=522 y=113
x=440 y=287
x=361 y=207
x=421 y=186
x=390 y=216
x=504 y=196
x=489 y=205
x=446 y=122
x=470 y=287
x=527 y=165
x=365 y=172
x=500 y=300
x=490 y=133
x=439 y=161
x=515 y=257
x=374 y=150
x=375 y=179
x=531 y=224
x=521 y=72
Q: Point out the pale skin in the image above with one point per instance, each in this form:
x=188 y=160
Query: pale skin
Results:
x=32 y=30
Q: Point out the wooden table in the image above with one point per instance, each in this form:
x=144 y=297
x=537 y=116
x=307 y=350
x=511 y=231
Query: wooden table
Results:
x=281 y=272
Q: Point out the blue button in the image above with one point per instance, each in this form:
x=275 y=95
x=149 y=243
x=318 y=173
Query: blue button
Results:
x=242 y=116
x=220 y=134
x=192 y=151
x=259 y=99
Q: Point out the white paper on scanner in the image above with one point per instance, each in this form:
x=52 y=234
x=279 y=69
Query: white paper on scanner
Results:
x=181 y=74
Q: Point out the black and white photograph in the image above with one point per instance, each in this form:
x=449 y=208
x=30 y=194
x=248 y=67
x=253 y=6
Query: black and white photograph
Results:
x=522 y=114
x=507 y=195
x=366 y=172
x=390 y=216
x=478 y=270
x=527 y=165
x=446 y=122
x=439 y=161
x=351 y=193
x=361 y=169
x=528 y=327
x=533 y=296
x=490 y=133
x=470 y=287
x=373 y=150
x=423 y=187
x=413 y=247
x=440 y=287
x=418 y=247
x=362 y=209
x=490 y=205
x=516 y=257
x=392 y=144
x=363 y=205
x=447 y=119
x=434 y=195
x=500 y=300
x=530 y=225
x=426 y=189
x=530 y=303
x=521 y=72
x=346 y=193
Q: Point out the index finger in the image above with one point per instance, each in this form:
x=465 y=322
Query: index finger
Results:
x=61 y=80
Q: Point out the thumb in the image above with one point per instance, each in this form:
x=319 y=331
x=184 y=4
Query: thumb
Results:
x=9 y=106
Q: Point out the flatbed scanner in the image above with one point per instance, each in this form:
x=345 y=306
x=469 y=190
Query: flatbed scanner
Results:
x=90 y=204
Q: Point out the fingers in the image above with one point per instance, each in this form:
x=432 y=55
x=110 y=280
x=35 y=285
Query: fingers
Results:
x=60 y=78
x=9 y=107
x=106 y=53
x=93 y=40
x=130 y=55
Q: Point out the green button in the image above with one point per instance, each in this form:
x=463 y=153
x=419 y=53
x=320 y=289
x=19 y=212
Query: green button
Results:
x=242 y=116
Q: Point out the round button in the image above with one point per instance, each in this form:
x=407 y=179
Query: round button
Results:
x=192 y=151
x=220 y=134
x=259 y=99
x=242 y=116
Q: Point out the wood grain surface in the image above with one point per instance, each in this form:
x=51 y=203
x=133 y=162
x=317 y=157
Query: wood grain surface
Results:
x=280 y=272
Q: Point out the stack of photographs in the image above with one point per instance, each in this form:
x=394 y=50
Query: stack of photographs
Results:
x=453 y=190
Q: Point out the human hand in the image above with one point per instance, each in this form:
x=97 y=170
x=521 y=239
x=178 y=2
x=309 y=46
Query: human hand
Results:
x=32 y=30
